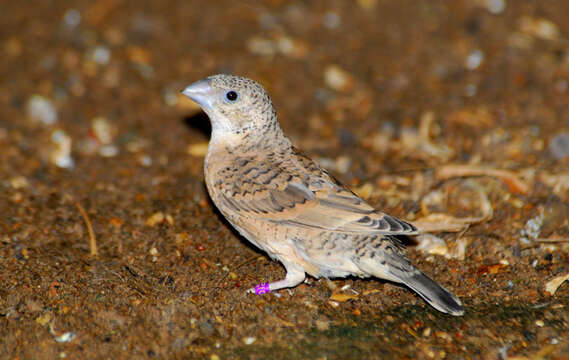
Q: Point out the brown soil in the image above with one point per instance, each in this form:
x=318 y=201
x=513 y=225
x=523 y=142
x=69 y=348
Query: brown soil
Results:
x=415 y=85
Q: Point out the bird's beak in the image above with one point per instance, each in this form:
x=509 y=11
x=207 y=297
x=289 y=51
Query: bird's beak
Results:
x=200 y=92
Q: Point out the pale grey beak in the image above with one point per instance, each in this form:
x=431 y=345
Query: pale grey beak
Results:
x=200 y=92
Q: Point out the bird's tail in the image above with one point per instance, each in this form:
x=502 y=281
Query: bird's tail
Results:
x=433 y=293
x=398 y=269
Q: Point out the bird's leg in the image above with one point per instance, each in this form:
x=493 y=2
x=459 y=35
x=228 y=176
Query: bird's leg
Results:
x=294 y=276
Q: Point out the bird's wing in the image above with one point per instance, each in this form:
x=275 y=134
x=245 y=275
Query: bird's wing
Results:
x=307 y=197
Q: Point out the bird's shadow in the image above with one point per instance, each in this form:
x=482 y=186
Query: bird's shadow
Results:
x=198 y=122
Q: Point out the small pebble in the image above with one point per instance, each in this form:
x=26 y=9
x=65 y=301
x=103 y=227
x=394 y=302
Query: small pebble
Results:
x=539 y=27
x=261 y=46
x=72 y=18
x=249 y=340
x=432 y=245
x=532 y=229
x=559 y=146
x=19 y=182
x=470 y=90
x=108 y=151
x=291 y=47
x=101 y=55
x=474 y=59
x=495 y=6
x=334 y=304
x=144 y=160
x=65 y=337
x=155 y=218
x=60 y=155
x=42 y=110
x=102 y=130
x=338 y=79
x=331 y=20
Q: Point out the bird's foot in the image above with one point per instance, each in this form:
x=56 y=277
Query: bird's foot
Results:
x=260 y=289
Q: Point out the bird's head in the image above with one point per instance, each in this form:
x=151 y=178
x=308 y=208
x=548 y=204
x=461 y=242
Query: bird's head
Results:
x=234 y=104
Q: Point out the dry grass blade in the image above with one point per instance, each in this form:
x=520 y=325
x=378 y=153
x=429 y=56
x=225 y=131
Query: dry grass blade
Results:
x=509 y=178
x=92 y=239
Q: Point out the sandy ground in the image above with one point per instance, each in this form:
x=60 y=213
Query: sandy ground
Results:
x=454 y=115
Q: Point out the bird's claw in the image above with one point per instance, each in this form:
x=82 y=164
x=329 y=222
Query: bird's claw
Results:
x=260 y=289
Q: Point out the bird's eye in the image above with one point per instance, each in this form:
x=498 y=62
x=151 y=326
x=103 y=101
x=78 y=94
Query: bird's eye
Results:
x=231 y=96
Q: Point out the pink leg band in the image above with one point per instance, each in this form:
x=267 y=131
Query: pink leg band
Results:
x=262 y=289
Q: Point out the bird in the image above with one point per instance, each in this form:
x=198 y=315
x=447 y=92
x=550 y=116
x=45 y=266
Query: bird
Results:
x=285 y=204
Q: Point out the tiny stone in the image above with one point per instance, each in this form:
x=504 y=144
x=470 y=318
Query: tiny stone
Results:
x=41 y=109
x=65 y=337
x=559 y=146
x=261 y=46
x=337 y=78
x=102 y=130
x=474 y=60
x=101 y=55
x=109 y=151
x=155 y=218
x=249 y=340
x=331 y=20
x=170 y=98
x=72 y=18
x=60 y=155
x=19 y=182
x=539 y=27
x=495 y=6
x=471 y=90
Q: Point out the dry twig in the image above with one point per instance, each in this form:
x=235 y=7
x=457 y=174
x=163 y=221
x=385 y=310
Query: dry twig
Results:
x=92 y=238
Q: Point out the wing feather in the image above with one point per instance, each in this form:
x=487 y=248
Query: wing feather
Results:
x=324 y=205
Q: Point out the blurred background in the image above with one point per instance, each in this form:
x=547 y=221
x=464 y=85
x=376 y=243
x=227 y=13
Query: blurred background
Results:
x=454 y=115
